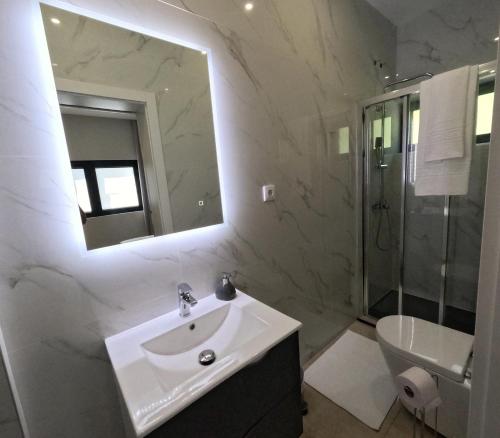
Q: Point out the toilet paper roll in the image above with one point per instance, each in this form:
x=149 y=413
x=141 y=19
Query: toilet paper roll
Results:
x=418 y=389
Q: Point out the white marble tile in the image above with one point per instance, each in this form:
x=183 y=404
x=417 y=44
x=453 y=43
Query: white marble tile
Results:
x=88 y=399
x=456 y=33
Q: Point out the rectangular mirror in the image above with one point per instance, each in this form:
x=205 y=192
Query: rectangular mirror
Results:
x=138 y=120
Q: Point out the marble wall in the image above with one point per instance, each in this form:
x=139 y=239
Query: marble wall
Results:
x=455 y=33
x=286 y=77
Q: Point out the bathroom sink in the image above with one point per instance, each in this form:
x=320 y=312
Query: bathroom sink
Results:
x=226 y=328
x=157 y=364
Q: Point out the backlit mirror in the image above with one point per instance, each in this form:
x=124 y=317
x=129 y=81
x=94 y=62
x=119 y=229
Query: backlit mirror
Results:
x=138 y=120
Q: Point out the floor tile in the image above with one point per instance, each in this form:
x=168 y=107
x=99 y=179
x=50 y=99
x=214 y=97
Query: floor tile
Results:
x=362 y=328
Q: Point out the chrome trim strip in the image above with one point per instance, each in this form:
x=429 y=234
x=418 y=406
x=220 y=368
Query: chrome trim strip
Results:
x=444 y=258
x=404 y=165
x=366 y=211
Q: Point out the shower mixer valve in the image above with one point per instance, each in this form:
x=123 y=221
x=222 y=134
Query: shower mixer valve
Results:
x=381 y=206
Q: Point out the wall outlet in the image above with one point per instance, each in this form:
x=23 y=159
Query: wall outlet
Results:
x=268 y=193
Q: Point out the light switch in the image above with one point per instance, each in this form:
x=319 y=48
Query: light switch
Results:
x=268 y=193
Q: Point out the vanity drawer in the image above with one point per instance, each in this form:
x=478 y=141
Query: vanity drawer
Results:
x=258 y=401
x=283 y=421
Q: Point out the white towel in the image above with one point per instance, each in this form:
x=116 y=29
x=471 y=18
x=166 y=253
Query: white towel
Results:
x=445 y=104
x=450 y=176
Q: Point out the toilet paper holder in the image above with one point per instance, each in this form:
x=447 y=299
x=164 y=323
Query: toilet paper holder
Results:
x=422 y=423
x=409 y=393
x=419 y=389
x=422 y=416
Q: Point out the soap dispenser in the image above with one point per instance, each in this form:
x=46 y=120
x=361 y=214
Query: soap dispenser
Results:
x=225 y=290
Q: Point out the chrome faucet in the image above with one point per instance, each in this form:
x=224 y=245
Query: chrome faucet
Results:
x=185 y=299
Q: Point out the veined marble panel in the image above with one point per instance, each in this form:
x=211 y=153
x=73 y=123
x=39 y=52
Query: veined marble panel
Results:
x=282 y=83
x=456 y=33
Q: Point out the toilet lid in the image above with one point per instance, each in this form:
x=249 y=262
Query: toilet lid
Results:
x=431 y=346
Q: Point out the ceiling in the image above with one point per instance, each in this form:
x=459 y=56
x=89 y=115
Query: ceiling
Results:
x=401 y=11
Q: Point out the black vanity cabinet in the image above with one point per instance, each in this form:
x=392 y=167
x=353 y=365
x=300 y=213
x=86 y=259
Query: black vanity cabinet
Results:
x=260 y=401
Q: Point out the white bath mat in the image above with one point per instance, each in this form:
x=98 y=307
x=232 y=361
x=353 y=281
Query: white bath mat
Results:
x=353 y=374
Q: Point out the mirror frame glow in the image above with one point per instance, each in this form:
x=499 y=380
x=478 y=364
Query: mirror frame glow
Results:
x=167 y=38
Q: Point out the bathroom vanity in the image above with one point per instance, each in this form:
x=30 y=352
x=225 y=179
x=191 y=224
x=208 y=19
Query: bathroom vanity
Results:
x=261 y=400
x=252 y=389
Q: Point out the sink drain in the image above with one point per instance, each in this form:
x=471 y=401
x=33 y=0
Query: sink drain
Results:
x=206 y=357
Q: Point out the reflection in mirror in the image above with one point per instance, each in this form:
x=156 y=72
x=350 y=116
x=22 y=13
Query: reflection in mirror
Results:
x=138 y=120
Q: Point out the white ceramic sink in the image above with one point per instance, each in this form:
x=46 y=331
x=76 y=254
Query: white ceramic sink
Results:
x=156 y=363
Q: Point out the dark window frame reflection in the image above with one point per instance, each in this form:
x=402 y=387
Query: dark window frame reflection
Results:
x=90 y=168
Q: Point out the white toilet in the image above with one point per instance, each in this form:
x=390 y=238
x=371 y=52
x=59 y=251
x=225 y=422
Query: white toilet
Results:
x=443 y=352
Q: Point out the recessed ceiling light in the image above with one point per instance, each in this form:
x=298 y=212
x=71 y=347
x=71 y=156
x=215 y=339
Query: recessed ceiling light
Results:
x=497 y=39
x=248 y=6
x=166 y=89
x=55 y=20
x=386 y=77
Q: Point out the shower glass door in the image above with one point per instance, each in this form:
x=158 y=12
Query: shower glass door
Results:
x=425 y=235
x=442 y=238
x=384 y=176
x=421 y=253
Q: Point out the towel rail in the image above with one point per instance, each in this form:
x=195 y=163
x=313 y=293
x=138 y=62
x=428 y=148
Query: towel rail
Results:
x=402 y=81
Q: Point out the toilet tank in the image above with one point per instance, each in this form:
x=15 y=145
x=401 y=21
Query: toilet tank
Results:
x=454 y=410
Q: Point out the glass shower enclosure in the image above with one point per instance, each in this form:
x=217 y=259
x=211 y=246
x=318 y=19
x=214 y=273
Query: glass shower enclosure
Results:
x=420 y=253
